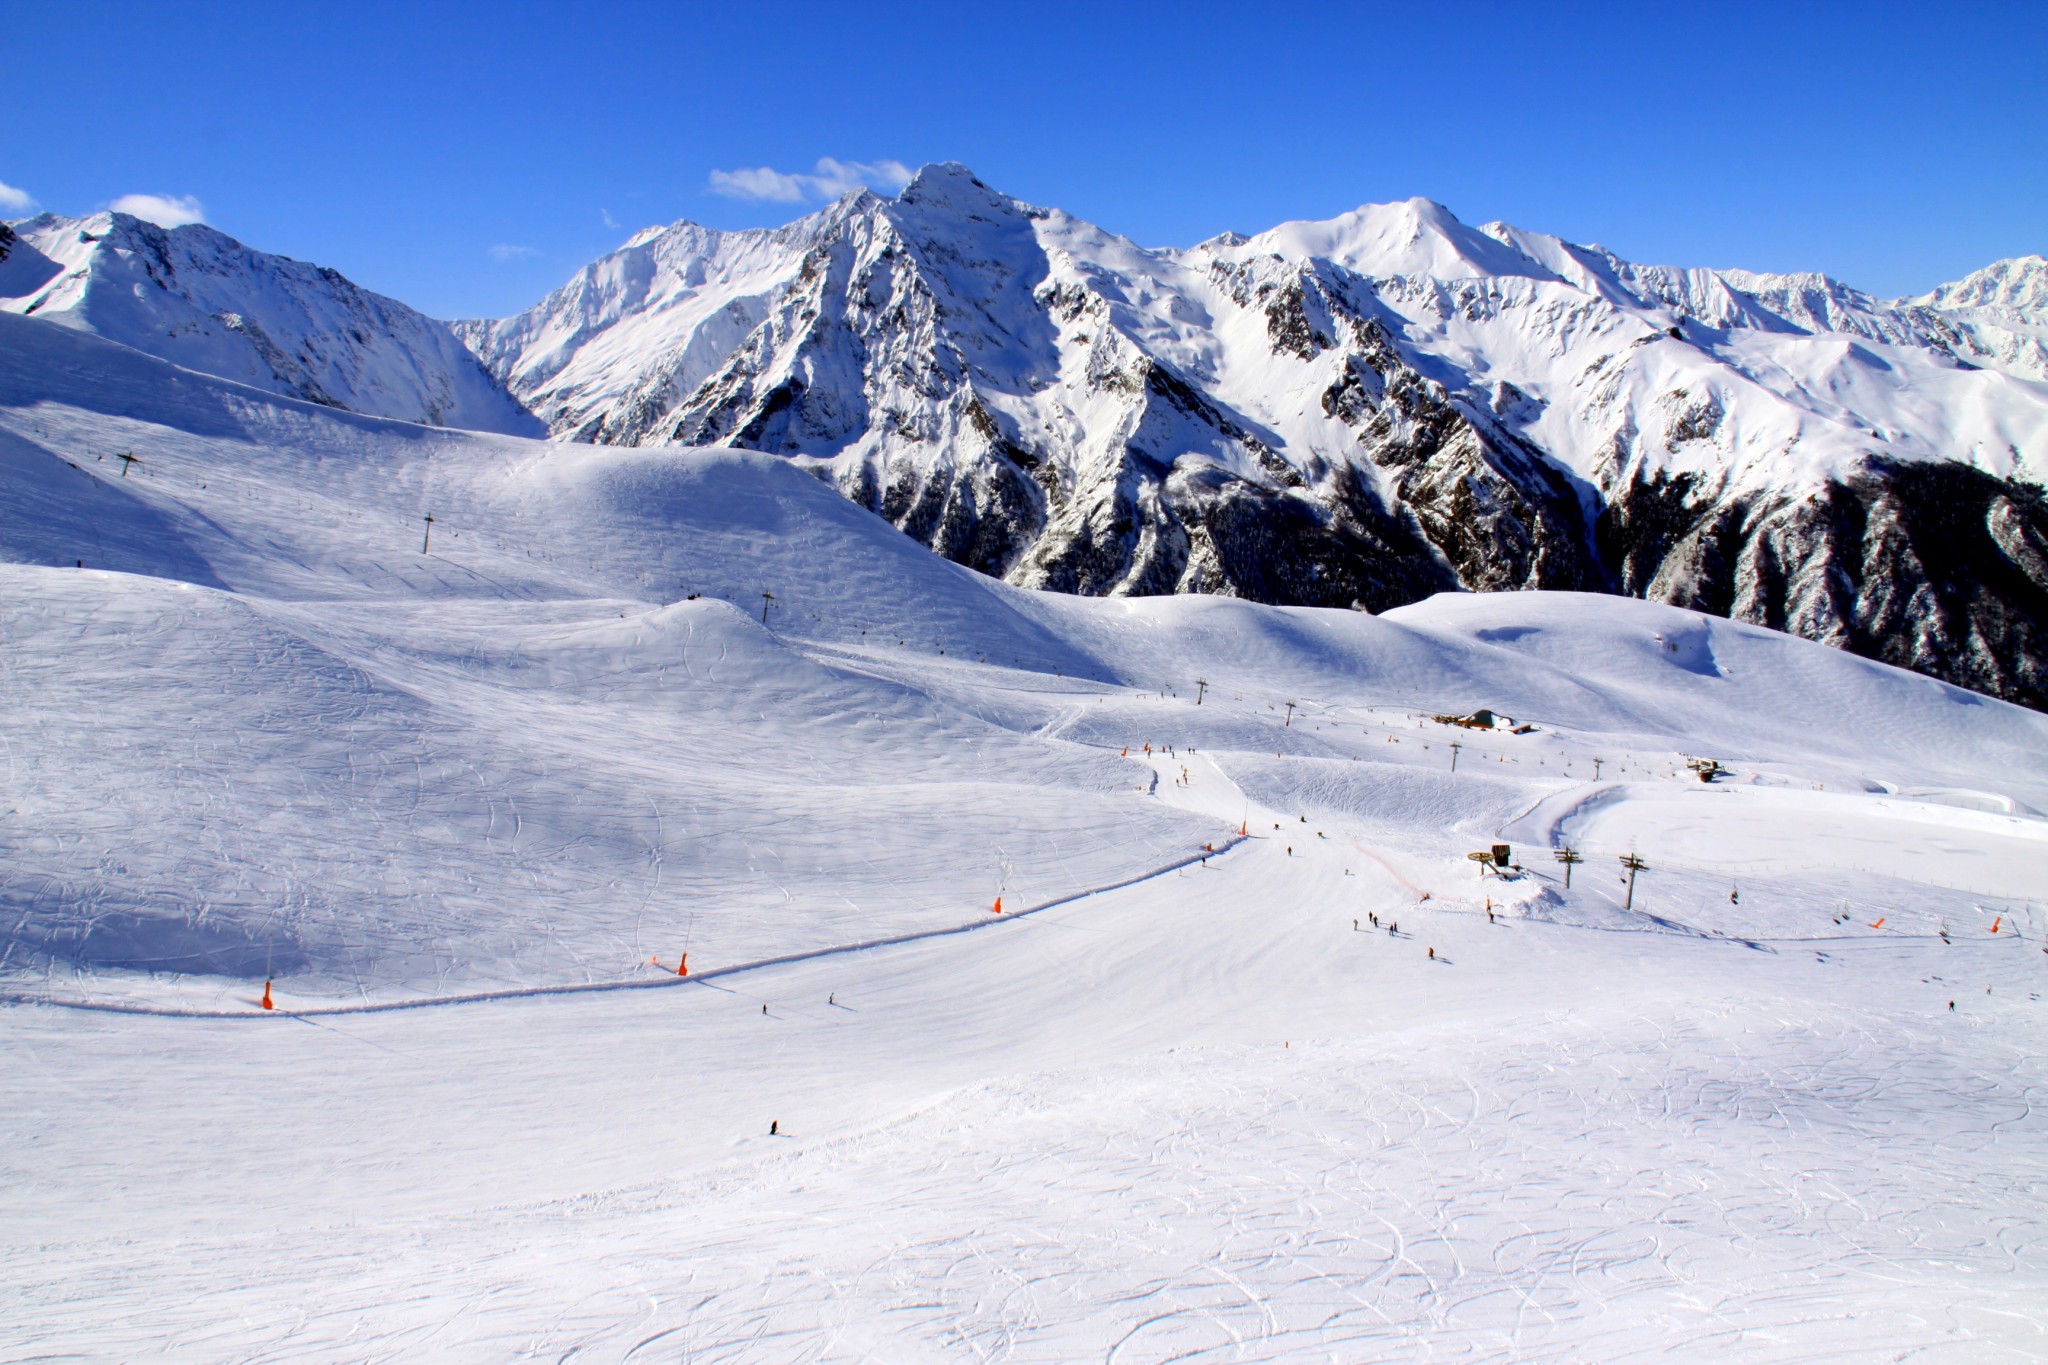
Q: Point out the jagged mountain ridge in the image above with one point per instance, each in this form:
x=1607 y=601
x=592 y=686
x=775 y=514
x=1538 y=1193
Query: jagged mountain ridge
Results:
x=199 y=298
x=1354 y=412
x=1361 y=411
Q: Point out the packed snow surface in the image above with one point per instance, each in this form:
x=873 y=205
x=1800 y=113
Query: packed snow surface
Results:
x=1256 y=1064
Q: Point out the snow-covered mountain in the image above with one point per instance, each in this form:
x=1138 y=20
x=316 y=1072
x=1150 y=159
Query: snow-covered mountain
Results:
x=199 y=298
x=1359 y=411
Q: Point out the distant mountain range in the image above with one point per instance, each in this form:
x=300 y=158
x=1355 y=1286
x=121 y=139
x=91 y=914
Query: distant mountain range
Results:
x=1357 y=412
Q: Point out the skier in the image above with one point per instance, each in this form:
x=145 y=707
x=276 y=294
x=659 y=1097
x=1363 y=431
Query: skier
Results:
x=1432 y=954
x=774 y=1127
x=1394 y=927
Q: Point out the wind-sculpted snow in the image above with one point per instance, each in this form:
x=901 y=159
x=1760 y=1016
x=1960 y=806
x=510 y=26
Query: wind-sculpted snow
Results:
x=1256 y=1062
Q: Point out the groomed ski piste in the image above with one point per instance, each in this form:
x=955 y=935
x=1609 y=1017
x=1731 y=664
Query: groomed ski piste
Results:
x=1257 y=1063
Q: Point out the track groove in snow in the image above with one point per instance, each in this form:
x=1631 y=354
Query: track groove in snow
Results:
x=990 y=921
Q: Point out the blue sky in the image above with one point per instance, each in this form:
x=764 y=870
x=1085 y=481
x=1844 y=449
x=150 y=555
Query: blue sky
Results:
x=467 y=158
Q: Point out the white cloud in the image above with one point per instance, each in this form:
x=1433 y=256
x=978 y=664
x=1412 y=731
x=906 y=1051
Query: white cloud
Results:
x=15 y=201
x=609 y=221
x=758 y=183
x=165 y=210
x=504 y=253
x=828 y=180
x=836 y=177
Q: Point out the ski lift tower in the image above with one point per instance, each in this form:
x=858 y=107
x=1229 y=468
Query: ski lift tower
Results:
x=1570 y=857
x=1634 y=865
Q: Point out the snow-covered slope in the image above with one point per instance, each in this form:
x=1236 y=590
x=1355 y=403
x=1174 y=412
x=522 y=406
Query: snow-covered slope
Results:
x=1364 y=410
x=198 y=297
x=1255 y=1064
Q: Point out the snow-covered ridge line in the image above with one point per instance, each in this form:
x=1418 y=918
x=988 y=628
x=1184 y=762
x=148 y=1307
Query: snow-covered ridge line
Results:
x=197 y=297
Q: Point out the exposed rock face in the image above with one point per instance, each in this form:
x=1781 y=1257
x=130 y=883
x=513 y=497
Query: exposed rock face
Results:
x=1936 y=567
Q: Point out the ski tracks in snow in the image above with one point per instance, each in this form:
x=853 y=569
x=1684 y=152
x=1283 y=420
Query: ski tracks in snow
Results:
x=1697 y=1181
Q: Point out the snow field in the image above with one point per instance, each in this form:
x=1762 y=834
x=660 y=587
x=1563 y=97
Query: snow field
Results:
x=1185 y=1111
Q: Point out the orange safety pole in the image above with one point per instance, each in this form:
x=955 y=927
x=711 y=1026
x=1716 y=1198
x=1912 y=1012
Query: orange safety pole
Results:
x=1880 y=922
x=683 y=965
x=999 y=906
x=1995 y=923
x=266 y=997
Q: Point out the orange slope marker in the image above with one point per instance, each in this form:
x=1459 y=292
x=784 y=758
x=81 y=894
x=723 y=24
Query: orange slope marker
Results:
x=999 y=906
x=266 y=996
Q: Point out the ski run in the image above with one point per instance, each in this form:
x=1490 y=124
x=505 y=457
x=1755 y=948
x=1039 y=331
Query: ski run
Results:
x=1258 y=1060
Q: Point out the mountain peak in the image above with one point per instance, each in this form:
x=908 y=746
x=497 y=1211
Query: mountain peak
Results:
x=2017 y=284
x=1415 y=236
x=946 y=182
